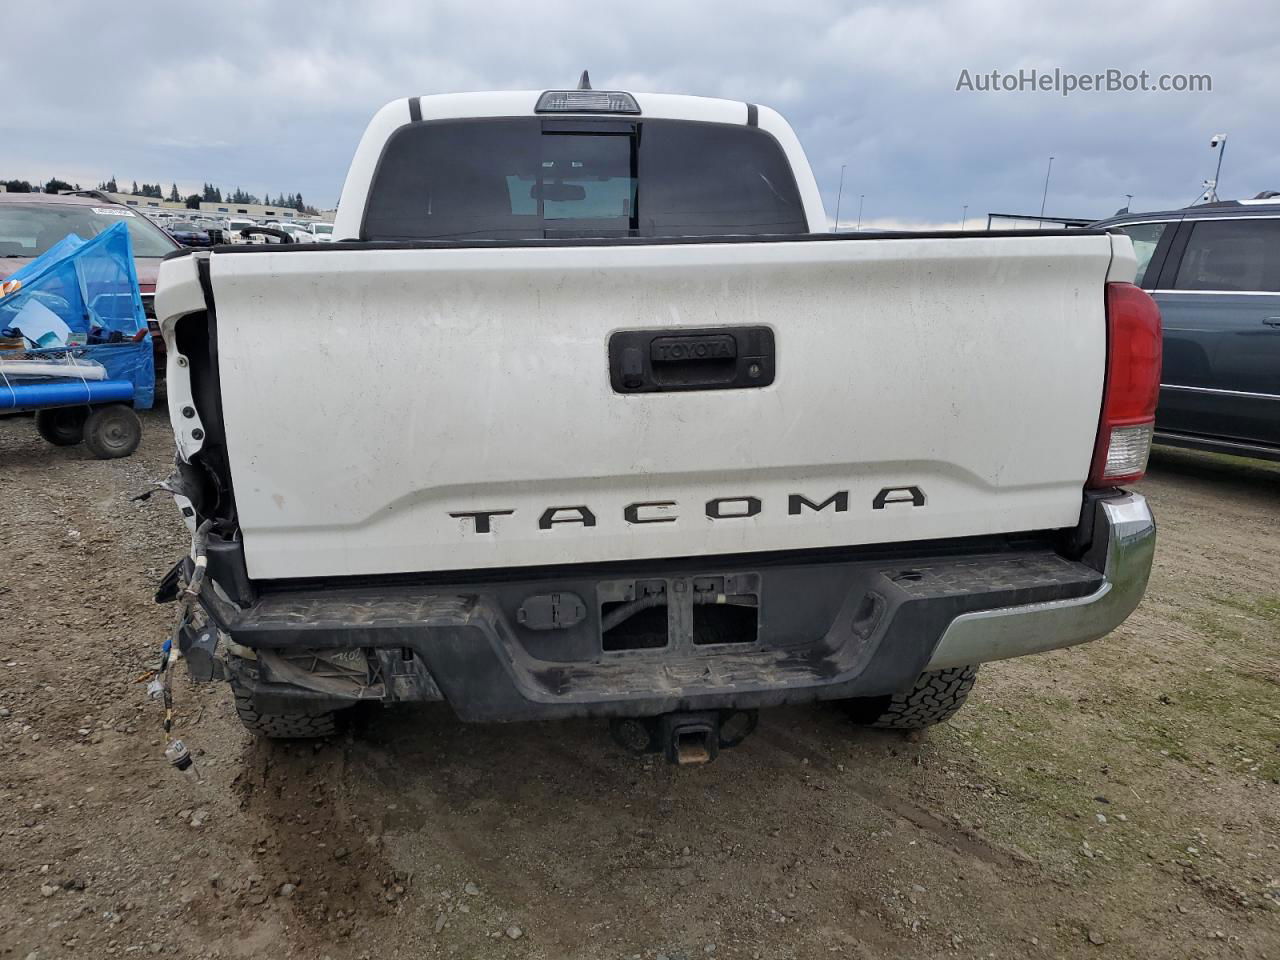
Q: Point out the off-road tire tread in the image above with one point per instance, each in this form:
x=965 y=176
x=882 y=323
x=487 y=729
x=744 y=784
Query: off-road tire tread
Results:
x=935 y=697
x=283 y=726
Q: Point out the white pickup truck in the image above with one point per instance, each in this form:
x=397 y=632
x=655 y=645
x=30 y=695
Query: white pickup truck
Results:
x=586 y=413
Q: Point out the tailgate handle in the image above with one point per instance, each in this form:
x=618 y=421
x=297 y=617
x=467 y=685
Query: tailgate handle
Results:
x=714 y=358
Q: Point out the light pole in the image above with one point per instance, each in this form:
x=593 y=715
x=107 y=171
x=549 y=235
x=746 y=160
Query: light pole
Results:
x=1128 y=202
x=861 y=196
x=1219 y=143
x=839 y=195
x=1045 y=196
x=964 y=217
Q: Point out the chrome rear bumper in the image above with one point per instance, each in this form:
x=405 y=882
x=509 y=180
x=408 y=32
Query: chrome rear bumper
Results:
x=1125 y=535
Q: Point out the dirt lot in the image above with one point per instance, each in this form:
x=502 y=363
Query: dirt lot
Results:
x=1118 y=800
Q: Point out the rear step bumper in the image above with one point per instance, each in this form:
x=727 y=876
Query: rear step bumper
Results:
x=1125 y=553
x=817 y=631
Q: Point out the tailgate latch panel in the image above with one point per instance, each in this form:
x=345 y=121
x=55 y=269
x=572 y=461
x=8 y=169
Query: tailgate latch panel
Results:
x=709 y=358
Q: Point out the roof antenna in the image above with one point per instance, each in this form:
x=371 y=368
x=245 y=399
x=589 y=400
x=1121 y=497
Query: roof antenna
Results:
x=584 y=81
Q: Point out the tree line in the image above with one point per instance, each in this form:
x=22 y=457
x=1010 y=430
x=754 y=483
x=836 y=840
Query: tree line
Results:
x=211 y=194
x=26 y=186
x=208 y=194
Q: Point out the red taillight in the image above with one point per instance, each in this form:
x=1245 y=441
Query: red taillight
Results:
x=1131 y=389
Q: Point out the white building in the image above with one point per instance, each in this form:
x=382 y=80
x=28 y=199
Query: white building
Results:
x=258 y=211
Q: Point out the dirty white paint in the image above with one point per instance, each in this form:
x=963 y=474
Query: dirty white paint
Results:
x=369 y=394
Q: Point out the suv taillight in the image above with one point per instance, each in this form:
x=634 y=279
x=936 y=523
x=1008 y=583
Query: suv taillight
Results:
x=1131 y=389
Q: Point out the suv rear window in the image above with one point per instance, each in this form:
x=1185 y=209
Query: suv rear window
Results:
x=1145 y=237
x=1232 y=255
x=532 y=177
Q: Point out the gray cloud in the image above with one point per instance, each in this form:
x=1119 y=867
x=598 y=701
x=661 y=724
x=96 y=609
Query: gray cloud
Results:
x=273 y=96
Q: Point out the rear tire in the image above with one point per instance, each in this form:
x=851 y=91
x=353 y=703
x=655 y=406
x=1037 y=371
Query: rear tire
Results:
x=62 y=426
x=936 y=697
x=112 y=431
x=282 y=726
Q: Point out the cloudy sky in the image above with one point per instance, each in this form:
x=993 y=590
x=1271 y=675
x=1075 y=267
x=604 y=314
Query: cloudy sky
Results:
x=272 y=96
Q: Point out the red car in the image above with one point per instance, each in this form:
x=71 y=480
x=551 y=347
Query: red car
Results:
x=30 y=223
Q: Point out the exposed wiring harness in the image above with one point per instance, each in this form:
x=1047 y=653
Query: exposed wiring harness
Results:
x=162 y=685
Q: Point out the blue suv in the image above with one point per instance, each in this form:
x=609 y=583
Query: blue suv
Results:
x=1214 y=269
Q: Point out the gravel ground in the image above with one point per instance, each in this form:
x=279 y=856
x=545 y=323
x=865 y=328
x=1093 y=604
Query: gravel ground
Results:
x=1116 y=800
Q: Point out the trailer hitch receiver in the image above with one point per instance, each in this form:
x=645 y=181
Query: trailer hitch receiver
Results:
x=685 y=739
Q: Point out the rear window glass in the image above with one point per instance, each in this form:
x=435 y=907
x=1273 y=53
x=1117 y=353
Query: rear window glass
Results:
x=1233 y=255
x=522 y=178
x=1145 y=237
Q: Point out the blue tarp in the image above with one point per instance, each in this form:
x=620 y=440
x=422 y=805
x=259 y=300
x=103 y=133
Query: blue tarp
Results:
x=37 y=266
x=91 y=286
